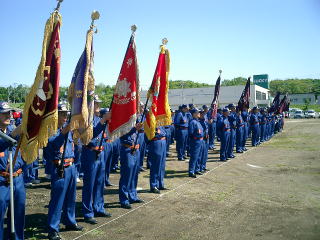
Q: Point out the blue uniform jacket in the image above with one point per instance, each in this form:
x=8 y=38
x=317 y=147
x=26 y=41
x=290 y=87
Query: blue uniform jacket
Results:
x=4 y=155
x=195 y=129
x=130 y=137
x=223 y=124
x=55 y=146
x=181 y=120
x=233 y=120
x=254 y=119
x=239 y=120
x=205 y=127
x=245 y=116
x=97 y=132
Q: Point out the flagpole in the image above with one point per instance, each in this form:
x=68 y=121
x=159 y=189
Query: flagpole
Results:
x=164 y=43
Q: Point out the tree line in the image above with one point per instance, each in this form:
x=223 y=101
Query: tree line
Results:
x=18 y=92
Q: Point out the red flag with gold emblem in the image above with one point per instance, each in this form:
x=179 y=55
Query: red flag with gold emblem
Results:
x=40 y=111
x=159 y=114
x=126 y=94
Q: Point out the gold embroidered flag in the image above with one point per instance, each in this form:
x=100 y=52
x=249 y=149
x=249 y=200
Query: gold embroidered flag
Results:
x=40 y=111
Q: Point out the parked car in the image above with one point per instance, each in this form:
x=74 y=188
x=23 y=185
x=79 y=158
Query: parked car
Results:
x=298 y=114
x=310 y=114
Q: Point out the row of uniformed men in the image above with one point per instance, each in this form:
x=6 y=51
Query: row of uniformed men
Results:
x=95 y=166
x=195 y=132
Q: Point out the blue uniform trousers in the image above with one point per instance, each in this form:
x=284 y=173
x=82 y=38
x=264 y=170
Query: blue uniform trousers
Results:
x=142 y=148
x=63 y=199
x=157 y=158
x=115 y=153
x=225 y=140
x=245 y=135
x=182 y=136
x=255 y=134
x=168 y=138
x=30 y=173
x=196 y=146
x=19 y=206
x=212 y=134
x=93 y=182
x=239 y=138
x=108 y=158
x=262 y=132
x=203 y=158
x=128 y=172
x=232 y=142
x=48 y=167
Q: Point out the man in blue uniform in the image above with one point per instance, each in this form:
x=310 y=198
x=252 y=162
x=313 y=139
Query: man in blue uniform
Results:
x=224 y=128
x=263 y=124
x=181 y=123
x=129 y=157
x=63 y=188
x=245 y=118
x=254 y=123
x=195 y=133
x=239 y=131
x=204 y=156
x=93 y=164
x=157 y=159
x=219 y=117
x=233 y=127
x=18 y=183
x=107 y=143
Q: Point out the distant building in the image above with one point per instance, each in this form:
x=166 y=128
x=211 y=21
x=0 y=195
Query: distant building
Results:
x=204 y=96
x=301 y=98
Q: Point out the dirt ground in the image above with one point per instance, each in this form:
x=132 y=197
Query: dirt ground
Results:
x=269 y=192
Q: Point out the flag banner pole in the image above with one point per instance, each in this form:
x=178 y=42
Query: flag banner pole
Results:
x=214 y=104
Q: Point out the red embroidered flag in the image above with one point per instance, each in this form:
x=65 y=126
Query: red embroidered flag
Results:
x=159 y=114
x=124 y=106
x=40 y=111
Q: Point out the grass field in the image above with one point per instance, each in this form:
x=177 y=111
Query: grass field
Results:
x=270 y=192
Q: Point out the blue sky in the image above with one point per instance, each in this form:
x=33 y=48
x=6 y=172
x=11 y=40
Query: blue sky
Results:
x=241 y=37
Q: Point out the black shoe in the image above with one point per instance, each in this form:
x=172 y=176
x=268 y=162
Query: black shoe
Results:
x=54 y=236
x=113 y=170
x=110 y=185
x=245 y=149
x=90 y=220
x=142 y=169
x=102 y=214
x=74 y=227
x=126 y=206
x=199 y=173
x=155 y=190
x=192 y=175
x=184 y=157
x=239 y=151
x=138 y=201
x=163 y=188
x=180 y=159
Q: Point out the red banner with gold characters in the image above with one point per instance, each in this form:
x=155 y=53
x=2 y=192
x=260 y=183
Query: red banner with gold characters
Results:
x=40 y=111
x=159 y=114
x=124 y=106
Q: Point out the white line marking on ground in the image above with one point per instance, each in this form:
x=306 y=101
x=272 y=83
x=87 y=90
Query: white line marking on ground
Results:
x=253 y=166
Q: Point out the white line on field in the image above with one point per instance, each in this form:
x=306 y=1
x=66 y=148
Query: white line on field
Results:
x=254 y=166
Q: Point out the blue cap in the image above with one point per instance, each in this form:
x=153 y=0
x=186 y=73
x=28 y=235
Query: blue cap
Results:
x=183 y=106
x=255 y=108
x=4 y=107
x=204 y=106
x=191 y=105
x=103 y=111
x=62 y=108
x=194 y=110
x=225 y=110
x=231 y=105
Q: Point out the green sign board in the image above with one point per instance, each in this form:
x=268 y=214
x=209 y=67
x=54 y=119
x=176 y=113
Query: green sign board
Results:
x=261 y=80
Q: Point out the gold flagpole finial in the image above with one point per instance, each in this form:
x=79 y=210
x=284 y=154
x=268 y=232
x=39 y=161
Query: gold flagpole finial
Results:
x=220 y=71
x=95 y=15
x=164 y=41
x=133 y=28
x=58 y=5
